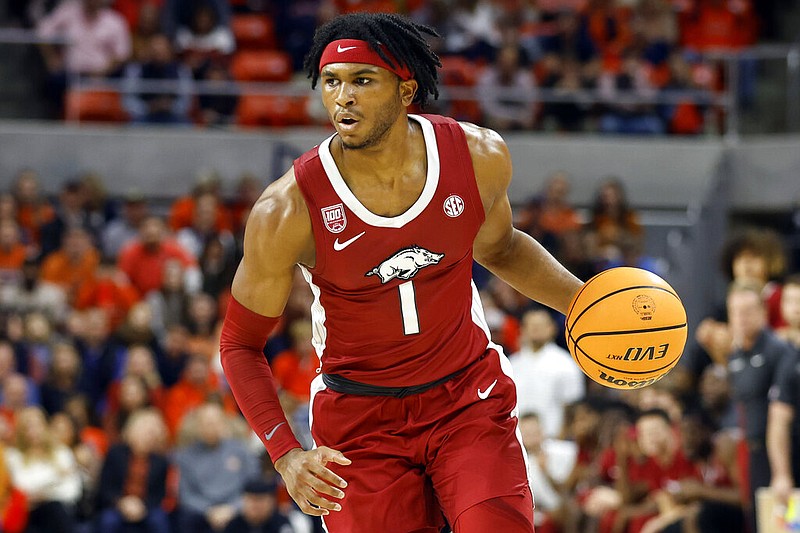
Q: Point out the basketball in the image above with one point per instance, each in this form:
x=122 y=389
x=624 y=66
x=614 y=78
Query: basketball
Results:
x=626 y=328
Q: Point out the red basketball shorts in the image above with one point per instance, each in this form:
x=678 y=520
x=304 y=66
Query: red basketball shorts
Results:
x=417 y=458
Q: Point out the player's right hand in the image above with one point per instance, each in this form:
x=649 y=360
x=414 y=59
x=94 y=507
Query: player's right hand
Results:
x=308 y=481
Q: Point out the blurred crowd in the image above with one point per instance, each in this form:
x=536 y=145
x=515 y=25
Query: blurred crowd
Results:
x=115 y=414
x=614 y=66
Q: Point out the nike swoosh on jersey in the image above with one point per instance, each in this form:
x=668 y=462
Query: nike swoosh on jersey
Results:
x=345 y=49
x=339 y=246
x=269 y=435
x=485 y=394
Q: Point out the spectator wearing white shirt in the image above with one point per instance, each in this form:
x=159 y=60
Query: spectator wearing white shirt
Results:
x=46 y=471
x=546 y=376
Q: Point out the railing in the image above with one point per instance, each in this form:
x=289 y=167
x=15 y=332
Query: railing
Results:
x=726 y=101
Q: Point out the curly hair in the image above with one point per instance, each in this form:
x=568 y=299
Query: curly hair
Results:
x=404 y=40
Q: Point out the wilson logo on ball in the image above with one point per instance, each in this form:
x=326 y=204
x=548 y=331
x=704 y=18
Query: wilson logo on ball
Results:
x=621 y=383
x=637 y=353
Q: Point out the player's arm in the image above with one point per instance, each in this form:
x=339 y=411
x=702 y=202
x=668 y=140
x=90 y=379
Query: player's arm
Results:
x=277 y=237
x=779 y=450
x=510 y=254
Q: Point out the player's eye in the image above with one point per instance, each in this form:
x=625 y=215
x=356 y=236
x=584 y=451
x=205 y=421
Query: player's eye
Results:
x=330 y=82
x=363 y=81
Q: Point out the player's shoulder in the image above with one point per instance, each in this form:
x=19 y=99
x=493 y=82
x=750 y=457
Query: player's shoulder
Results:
x=280 y=207
x=484 y=142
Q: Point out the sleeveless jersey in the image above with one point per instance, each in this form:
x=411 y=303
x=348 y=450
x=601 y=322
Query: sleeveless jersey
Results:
x=394 y=302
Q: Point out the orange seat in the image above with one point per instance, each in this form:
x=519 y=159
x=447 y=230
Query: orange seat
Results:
x=261 y=65
x=253 y=31
x=460 y=72
x=272 y=110
x=98 y=105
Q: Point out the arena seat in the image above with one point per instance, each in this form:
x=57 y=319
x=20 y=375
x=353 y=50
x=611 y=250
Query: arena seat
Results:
x=261 y=65
x=461 y=72
x=253 y=31
x=95 y=105
x=272 y=110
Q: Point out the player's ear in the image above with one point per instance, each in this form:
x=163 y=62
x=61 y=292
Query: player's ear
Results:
x=408 y=89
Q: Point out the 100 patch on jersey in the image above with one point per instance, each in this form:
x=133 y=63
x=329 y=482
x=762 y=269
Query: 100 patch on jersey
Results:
x=334 y=218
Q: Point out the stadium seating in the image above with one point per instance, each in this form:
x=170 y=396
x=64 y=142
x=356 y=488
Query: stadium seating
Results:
x=273 y=110
x=253 y=32
x=261 y=65
x=96 y=105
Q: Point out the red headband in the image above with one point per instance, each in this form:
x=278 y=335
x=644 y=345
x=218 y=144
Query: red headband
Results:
x=357 y=51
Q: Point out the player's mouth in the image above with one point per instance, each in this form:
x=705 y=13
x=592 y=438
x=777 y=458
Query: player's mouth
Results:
x=346 y=122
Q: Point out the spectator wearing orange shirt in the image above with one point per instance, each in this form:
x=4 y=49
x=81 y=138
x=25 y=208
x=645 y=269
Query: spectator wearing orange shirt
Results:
x=295 y=368
x=33 y=209
x=196 y=386
x=181 y=213
x=74 y=264
x=110 y=289
x=143 y=259
x=12 y=252
x=610 y=28
x=612 y=218
x=558 y=216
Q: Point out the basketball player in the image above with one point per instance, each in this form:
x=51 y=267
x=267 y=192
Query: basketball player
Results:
x=414 y=413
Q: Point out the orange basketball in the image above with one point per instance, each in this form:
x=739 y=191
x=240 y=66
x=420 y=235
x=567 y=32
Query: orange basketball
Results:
x=626 y=328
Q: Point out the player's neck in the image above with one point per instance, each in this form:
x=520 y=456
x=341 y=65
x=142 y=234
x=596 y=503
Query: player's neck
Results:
x=386 y=160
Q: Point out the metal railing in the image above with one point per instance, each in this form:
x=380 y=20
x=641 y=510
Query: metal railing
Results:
x=727 y=101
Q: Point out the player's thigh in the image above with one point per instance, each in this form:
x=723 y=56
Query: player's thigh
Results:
x=386 y=491
x=477 y=453
x=509 y=514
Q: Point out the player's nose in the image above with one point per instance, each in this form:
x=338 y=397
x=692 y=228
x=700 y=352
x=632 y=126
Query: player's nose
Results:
x=345 y=96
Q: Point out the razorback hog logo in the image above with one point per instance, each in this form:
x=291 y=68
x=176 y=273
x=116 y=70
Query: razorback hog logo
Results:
x=405 y=264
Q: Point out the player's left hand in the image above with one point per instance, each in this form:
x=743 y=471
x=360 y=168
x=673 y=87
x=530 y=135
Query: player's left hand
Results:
x=308 y=481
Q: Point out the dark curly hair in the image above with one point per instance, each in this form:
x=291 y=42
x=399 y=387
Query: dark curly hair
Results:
x=403 y=39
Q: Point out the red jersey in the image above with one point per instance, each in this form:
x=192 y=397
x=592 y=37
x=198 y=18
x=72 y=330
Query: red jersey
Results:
x=394 y=303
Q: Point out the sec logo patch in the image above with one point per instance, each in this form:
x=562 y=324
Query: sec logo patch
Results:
x=453 y=206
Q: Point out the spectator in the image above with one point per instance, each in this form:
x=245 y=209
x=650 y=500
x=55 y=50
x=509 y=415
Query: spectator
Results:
x=143 y=260
x=612 y=217
x=37 y=346
x=550 y=461
x=46 y=472
x=134 y=477
x=99 y=209
x=146 y=25
x=507 y=92
x=710 y=504
x=120 y=231
x=566 y=79
x=213 y=469
x=218 y=265
x=12 y=253
x=259 y=512
x=18 y=393
x=218 y=109
x=73 y=265
x=181 y=213
x=168 y=106
x=33 y=209
x=608 y=23
x=110 y=289
x=98 y=43
x=471 y=30
x=204 y=40
x=69 y=213
x=655 y=30
x=547 y=378
x=65 y=430
x=636 y=115
x=196 y=386
x=715 y=397
x=32 y=294
x=178 y=13
x=173 y=356
x=202 y=324
x=13 y=505
x=203 y=229
x=170 y=303
x=99 y=355
x=131 y=395
x=790 y=311
x=139 y=363
x=570 y=41
x=63 y=380
x=558 y=214
x=684 y=117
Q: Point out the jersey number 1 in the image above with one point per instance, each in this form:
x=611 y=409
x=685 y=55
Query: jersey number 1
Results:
x=408 y=308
